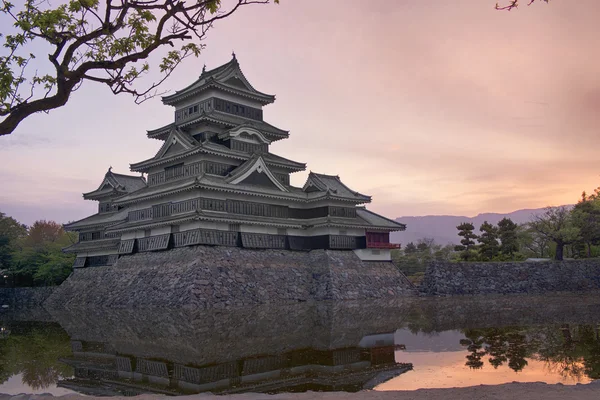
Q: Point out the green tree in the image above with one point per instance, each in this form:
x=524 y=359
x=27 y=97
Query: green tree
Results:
x=10 y=232
x=106 y=42
x=586 y=217
x=38 y=258
x=532 y=243
x=467 y=243
x=488 y=240
x=410 y=248
x=556 y=224
x=507 y=231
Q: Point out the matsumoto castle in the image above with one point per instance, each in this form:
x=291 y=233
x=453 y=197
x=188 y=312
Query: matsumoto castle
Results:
x=214 y=182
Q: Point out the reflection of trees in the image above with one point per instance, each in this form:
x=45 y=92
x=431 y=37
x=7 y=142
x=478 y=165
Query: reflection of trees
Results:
x=502 y=345
x=571 y=351
x=34 y=353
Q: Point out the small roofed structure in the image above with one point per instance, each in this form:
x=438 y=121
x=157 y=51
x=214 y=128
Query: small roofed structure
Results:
x=214 y=181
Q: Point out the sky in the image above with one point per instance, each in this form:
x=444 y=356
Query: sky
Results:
x=430 y=107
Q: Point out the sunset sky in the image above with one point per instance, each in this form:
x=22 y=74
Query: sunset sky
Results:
x=430 y=107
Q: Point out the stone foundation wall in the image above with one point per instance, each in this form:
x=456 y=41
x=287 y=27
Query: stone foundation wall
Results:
x=200 y=277
x=511 y=277
x=25 y=297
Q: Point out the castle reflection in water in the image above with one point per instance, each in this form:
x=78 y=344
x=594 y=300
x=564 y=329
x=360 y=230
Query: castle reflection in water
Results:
x=320 y=346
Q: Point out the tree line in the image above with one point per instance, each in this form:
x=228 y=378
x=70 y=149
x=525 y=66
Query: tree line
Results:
x=574 y=230
x=32 y=255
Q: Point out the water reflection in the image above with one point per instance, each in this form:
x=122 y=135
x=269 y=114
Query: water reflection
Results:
x=348 y=346
x=34 y=351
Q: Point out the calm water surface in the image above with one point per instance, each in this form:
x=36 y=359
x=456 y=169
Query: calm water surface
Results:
x=350 y=346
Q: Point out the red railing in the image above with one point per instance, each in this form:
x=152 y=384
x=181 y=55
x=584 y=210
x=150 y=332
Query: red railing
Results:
x=375 y=245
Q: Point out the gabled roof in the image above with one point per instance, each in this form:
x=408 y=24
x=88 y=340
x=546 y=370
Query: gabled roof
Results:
x=247 y=129
x=116 y=184
x=332 y=185
x=228 y=77
x=227 y=120
x=177 y=142
x=218 y=150
x=150 y=192
x=254 y=165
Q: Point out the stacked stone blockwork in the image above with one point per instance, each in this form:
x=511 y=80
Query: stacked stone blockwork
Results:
x=203 y=276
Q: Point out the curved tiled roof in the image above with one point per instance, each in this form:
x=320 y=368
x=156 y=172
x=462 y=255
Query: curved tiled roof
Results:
x=334 y=185
x=218 y=78
x=97 y=220
x=118 y=184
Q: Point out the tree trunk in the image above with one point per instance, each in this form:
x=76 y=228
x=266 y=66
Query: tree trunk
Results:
x=559 y=251
x=589 y=250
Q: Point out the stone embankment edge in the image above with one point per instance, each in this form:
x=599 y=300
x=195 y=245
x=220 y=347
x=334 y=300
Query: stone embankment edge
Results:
x=25 y=297
x=207 y=277
x=508 y=391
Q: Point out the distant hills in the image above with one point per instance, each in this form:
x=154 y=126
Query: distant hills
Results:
x=442 y=228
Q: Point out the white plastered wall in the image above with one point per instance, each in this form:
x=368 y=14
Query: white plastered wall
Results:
x=374 y=254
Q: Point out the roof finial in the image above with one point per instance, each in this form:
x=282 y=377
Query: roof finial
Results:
x=233 y=54
x=204 y=68
x=110 y=168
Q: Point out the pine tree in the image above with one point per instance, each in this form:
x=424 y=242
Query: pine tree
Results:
x=488 y=239
x=467 y=243
x=507 y=231
x=410 y=248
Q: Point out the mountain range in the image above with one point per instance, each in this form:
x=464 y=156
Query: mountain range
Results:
x=442 y=228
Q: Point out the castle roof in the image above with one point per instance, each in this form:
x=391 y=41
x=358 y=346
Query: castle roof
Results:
x=214 y=149
x=220 y=184
x=99 y=220
x=227 y=78
x=225 y=119
x=332 y=184
x=116 y=184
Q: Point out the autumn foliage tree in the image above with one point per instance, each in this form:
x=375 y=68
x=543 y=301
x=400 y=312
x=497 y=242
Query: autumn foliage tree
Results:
x=36 y=256
x=109 y=42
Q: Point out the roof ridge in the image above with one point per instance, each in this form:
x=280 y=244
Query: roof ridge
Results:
x=127 y=176
x=331 y=176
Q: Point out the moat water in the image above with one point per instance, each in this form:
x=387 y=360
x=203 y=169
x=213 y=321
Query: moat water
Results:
x=404 y=344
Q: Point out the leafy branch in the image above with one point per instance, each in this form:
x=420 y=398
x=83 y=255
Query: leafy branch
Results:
x=103 y=41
